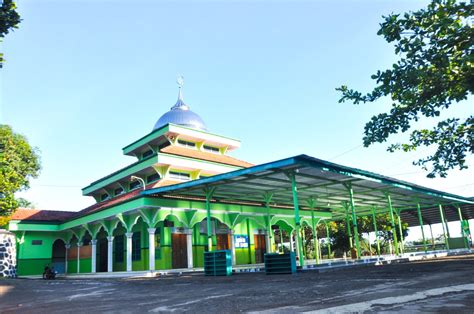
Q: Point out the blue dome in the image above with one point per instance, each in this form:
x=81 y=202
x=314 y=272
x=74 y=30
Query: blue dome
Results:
x=180 y=114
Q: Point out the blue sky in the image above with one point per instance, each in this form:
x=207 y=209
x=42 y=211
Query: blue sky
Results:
x=85 y=78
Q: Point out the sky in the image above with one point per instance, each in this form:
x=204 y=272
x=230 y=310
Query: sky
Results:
x=85 y=78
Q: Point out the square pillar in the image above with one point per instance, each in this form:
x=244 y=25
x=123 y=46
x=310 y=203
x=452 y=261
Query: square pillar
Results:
x=268 y=242
x=232 y=246
x=68 y=246
x=110 y=249
x=93 y=255
x=151 y=249
x=292 y=248
x=79 y=244
x=129 y=236
x=189 y=247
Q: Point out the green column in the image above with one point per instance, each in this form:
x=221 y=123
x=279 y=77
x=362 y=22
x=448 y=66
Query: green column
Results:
x=297 y=216
x=446 y=223
x=463 y=233
x=461 y=221
x=443 y=224
x=315 y=237
x=376 y=231
x=420 y=219
x=432 y=237
x=392 y=219
x=302 y=240
x=400 y=229
x=354 y=221
x=209 y=192
x=349 y=231
x=329 y=239
x=268 y=198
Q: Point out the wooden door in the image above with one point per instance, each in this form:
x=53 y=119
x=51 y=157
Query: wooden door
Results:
x=179 y=246
x=223 y=241
x=260 y=248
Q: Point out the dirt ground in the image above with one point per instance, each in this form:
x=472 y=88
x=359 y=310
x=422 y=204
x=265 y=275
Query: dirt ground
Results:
x=442 y=285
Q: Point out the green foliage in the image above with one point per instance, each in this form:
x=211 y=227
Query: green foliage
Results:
x=435 y=70
x=340 y=236
x=19 y=162
x=9 y=19
x=24 y=203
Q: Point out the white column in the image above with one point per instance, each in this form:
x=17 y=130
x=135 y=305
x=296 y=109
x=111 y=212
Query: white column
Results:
x=151 y=248
x=129 y=250
x=232 y=246
x=79 y=244
x=68 y=246
x=189 y=247
x=110 y=249
x=268 y=243
x=93 y=255
x=291 y=242
x=297 y=246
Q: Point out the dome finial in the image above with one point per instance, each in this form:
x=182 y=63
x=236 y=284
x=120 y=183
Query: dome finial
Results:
x=180 y=114
x=180 y=103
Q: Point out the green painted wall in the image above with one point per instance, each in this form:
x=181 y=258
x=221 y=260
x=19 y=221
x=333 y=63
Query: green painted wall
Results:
x=33 y=258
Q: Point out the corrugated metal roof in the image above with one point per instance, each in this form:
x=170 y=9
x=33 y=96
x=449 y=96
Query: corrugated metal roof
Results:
x=324 y=181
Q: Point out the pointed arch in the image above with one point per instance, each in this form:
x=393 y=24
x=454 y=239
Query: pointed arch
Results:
x=289 y=221
x=109 y=225
x=282 y=224
x=260 y=220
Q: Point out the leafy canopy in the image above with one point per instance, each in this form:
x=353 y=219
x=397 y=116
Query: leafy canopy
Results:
x=435 y=70
x=340 y=237
x=9 y=19
x=19 y=162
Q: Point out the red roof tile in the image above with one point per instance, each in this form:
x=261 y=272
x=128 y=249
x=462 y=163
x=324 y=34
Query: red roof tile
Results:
x=60 y=216
x=41 y=215
x=123 y=197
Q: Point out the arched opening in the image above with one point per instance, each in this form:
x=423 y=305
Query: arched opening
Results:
x=283 y=236
x=222 y=235
x=58 y=260
x=119 y=248
x=102 y=248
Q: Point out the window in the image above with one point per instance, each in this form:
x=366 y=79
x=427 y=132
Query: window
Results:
x=210 y=149
x=104 y=196
x=180 y=175
x=118 y=191
x=187 y=144
x=136 y=247
x=152 y=178
x=37 y=242
x=146 y=154
x=119 y=249
x=134 y=185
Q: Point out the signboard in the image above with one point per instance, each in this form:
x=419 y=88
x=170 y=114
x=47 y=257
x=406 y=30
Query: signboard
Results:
x=241 y=241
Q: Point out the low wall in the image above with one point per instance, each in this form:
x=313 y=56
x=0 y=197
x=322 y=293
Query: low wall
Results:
x=7 y=254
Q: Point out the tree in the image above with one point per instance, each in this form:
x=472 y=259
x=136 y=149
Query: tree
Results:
x=435 y=70
x=9 y=19
x=19 y=162
x=24 y=203
x=340 y=237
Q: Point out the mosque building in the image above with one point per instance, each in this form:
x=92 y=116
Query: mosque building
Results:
x=185 y=194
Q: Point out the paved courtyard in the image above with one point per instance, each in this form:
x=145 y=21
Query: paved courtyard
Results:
x=442 y=285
